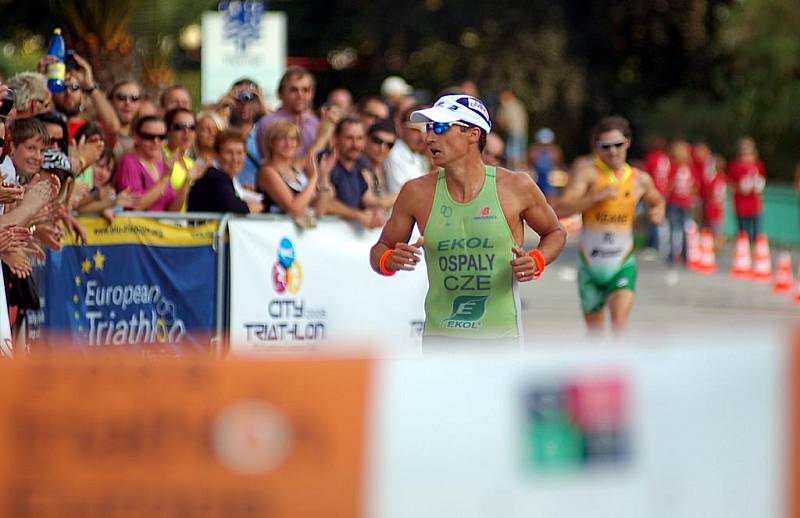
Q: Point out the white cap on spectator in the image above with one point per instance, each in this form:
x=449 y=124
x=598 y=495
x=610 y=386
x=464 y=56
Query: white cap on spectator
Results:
x=452 y=108
x=395 y=85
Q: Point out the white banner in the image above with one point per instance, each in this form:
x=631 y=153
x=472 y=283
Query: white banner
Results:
x=242 y=42
x=691 y=432
x=292 y=286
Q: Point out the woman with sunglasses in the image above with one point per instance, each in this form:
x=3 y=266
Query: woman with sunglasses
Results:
x=181 y=133
x=144 y=171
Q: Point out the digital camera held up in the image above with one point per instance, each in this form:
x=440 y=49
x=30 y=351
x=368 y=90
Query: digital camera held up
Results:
x=245 y=96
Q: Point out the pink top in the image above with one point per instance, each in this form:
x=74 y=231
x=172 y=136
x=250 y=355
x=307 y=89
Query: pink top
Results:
x=132 y=175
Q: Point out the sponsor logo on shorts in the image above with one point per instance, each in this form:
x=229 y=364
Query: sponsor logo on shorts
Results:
x=622 y=283
x=604 y=254
x=468 y=311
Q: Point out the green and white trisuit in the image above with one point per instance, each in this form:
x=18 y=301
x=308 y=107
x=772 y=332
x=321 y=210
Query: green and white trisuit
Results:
x=472 y=291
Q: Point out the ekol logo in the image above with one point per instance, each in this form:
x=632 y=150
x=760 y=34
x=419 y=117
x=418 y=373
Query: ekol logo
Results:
x=467 y=312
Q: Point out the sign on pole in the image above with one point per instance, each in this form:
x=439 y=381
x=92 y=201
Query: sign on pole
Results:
x=241 y=40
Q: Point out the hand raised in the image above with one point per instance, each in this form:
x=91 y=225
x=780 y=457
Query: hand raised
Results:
x=10 y=193
x=406 y=256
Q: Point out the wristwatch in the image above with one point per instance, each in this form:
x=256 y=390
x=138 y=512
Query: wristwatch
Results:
x=90 y=89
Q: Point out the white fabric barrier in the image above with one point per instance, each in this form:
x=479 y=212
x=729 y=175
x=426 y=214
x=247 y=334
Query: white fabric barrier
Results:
x=291 y=287
x=686 y=432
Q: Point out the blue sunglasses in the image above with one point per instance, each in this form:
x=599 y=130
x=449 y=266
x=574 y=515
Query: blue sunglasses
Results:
x=441 y=127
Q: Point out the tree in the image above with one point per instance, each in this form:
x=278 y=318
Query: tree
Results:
x=750 y=89
x=99 y=30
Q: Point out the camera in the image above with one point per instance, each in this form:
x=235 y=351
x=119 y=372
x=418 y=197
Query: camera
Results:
x=245 y=96
x=7 y=103
x=69 y=60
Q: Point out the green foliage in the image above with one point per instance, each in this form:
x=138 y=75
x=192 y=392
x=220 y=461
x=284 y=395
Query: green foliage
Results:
x=21 y=60
x=753 y=90
x=191 y=80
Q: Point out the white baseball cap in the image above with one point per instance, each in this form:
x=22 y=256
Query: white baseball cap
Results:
x=452 y=108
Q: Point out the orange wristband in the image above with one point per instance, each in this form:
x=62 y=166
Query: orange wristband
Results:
x=538 y=258
x=382 y=263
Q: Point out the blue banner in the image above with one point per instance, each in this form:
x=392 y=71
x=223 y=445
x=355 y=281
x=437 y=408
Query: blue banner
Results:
x=137 y=282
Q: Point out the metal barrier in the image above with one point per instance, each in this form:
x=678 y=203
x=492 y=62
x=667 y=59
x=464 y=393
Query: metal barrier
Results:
x=272 y=278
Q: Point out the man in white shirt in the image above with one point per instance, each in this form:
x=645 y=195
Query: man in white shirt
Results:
x=408 y=159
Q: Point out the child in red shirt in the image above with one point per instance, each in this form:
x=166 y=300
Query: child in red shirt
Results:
x=713 y=190
x=680 y=198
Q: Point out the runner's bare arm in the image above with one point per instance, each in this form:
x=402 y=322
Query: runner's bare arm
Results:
x=580 y=194
x=395 y=235
x=541 y=217
x=651 y=196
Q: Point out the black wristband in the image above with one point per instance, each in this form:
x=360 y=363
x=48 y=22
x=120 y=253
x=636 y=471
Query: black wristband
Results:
x=90 y=89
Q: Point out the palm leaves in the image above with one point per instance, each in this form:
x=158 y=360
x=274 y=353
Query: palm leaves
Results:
x=98 y=30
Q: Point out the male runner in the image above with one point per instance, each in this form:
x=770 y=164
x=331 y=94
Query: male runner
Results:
x=605 y=189
x=472 y=218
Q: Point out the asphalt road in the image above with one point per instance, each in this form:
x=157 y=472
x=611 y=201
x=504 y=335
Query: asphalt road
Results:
x=671 y=304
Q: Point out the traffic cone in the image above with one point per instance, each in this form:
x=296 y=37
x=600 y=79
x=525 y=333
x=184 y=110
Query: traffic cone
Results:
x=783 y=274
x=797 y=289
x=694 y=256
x=708 y=261
x=742 y=267
x=762 y=265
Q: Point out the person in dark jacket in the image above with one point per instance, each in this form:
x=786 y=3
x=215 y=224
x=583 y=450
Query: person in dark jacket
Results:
x=215 y=191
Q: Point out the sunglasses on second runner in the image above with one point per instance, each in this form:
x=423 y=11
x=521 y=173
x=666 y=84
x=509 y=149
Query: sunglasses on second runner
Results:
x=441 y=127
x=606 y=146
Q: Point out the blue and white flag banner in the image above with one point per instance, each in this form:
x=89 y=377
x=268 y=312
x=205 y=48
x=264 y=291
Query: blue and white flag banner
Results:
x=138 y=282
